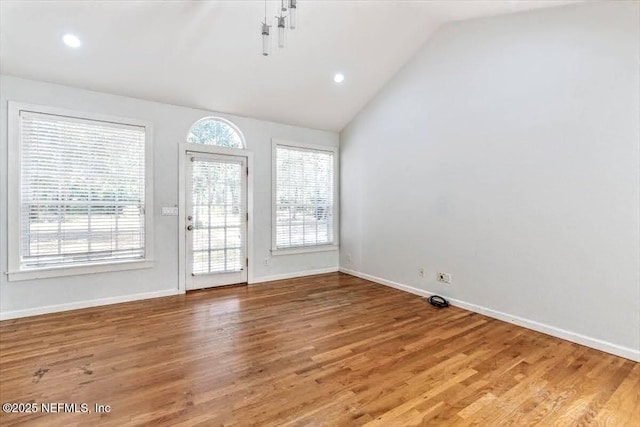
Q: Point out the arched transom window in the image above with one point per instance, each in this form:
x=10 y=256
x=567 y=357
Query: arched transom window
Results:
x=216 y=131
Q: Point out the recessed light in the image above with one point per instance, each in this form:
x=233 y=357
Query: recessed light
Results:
x=338 y=78
x=71 y=41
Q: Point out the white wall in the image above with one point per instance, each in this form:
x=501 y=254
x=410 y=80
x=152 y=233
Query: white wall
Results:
x=171 y=124
x=507 y=154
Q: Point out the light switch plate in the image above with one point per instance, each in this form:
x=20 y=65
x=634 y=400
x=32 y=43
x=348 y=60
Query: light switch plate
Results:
x=170 y=211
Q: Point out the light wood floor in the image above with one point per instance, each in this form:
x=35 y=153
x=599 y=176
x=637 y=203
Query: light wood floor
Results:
x=327 y=350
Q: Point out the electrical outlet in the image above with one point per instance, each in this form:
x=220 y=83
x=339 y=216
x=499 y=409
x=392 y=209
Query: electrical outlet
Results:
x=444 y=278
x=421 y=272
x=266 y=261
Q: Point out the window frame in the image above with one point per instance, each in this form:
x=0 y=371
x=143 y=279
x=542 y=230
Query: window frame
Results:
x=14 y=159
x=334 y=246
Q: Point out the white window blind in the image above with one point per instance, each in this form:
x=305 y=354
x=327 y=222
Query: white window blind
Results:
x=82 y=191
x=304 y=197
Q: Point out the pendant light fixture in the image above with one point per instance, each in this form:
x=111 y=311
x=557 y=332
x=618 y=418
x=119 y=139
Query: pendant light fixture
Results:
x=288 y=12
x=281 y=24
x=281 y=31
x=293 y=14
x=266 y=42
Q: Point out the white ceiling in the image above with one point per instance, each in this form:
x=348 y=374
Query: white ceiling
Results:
x=207 y=54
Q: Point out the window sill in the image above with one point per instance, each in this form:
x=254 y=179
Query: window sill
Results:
x=43 y=273
x=303 y=250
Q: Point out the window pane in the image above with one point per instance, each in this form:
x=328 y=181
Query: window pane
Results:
x=304 y=197
x=82 y=191
x=214 y=132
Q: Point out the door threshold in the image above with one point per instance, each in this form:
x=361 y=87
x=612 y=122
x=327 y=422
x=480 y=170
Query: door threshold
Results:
x=213 y=288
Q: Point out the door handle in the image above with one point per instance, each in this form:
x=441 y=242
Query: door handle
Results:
x=189 y=227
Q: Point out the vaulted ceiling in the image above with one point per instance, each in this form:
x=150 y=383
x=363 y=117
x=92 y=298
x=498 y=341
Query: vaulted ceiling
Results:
x=207 y=54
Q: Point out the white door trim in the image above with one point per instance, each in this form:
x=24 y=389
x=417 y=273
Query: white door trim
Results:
x=182 y=250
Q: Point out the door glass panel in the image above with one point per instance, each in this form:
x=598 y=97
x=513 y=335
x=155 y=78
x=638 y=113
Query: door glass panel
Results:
x=233 y=237
x=217 y=238
x=200 y=239
x=217 y=210
x=233 y=258
x=200 y=262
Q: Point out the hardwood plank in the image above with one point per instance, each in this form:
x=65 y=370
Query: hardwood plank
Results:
x=323 y=350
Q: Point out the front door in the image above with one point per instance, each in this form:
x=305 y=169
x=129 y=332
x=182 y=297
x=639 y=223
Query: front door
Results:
x=216 y=220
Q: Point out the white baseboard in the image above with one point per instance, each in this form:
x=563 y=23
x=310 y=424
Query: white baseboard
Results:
x=293 y=275
x=85 y=304
x=627 y=353
x=135 y=297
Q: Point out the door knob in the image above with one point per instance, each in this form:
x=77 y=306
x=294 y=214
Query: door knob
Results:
x=189 y=227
